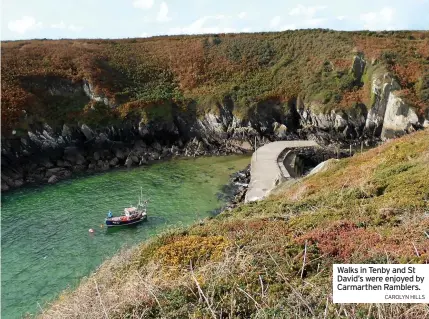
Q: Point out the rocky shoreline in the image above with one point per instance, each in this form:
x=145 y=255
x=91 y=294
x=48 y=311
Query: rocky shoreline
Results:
x=235 y=191
x=56 y=162
x=51 y=156
x=111 y=155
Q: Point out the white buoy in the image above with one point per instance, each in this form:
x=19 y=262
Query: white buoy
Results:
x=91 y=230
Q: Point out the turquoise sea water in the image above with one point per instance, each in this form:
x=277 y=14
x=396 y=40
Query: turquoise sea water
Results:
x=46 y=246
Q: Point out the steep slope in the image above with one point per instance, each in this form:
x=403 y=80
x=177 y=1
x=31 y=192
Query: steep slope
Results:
x=95 y=81
x=74 y=105
x=248 y=263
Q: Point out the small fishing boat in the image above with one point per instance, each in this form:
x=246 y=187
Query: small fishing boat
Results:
x=131 y=215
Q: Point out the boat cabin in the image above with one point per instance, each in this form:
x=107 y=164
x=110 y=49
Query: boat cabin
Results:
x=130 y=211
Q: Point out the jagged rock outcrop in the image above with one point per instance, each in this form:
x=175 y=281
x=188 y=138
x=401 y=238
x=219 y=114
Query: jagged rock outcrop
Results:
x=382 y=85
x=399 y=118
x=215 y=126
x=280 y=130
x=387 y=116
x=335 y=125
x=90 y=92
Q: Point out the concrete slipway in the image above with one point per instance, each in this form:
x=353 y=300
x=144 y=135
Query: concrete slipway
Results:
x=267 y=167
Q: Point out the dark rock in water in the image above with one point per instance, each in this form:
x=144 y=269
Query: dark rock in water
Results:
x=80 y=159
x=47 y=164
x=235 y=191
x=128 y=162
x=79 y=168
x=153 y=156
x=59 y=172
x=53 y=179
x=139 y=147
x=165 y=151
x=53 y=171
x=114 y=161
x=157 y=146
x=72 y=155
x=67 y=164
x=7 y=180
x=4 y=187
x=119 y=154
x=174 y=150
x=143 y=161
x=19 y=183
x=105 y=166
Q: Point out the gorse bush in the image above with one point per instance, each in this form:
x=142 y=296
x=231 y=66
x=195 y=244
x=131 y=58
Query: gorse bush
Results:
x=192 y=250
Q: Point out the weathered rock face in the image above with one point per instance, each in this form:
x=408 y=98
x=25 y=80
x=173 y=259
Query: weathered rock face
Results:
x=56 y=86
x=53 y=86
x=89 y=91
x=214 y=125
x=280 y=130
x=387 y=116
x=89 y=134
x=399 y=118
x=335 y=125
x=382 y=86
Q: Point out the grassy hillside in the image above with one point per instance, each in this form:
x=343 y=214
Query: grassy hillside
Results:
x=313 y=65
x=248 y=263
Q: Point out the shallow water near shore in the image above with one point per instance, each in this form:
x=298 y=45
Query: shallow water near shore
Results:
x=46 y=246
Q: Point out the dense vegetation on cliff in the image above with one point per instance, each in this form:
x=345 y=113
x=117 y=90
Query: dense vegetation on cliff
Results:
x=248 y=263
x=42 y=79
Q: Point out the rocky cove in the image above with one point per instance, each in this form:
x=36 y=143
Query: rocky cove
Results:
x=47 y=158
x=46 y=154
x=89 y=124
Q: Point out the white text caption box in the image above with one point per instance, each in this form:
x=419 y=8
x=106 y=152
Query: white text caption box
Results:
x=381 y=283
